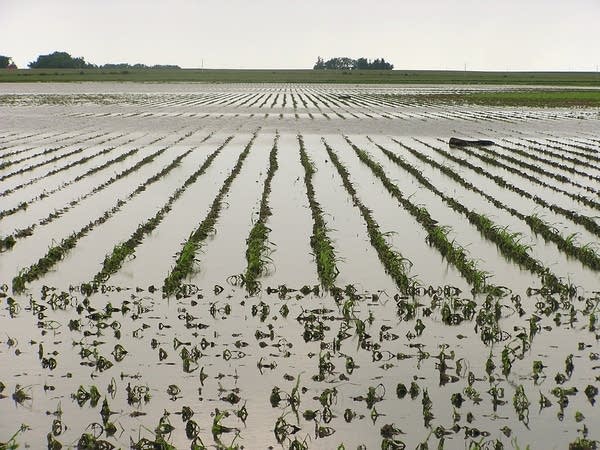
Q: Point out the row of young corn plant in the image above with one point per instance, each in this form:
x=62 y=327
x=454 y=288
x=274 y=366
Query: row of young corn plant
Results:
x=492 y=157
x=437 y=235
x=341 y=103
x=28 y=231
x=395 y=265
x=316 y=105
x=44 y=153
x=248 y=99
x=400 y=110
x=508 y=243
x=47 y=193
x=257 y=99
x=514 y=168
x=587 y=222
x=585 y=254
x=60 y=157
x=23 y=140
x=364 y=102
x=14 y=137
x=264 y=102
x=571 y=156
x=10 y=240
x=301 y=97
x=57 y=170
x=320 y=241
x=184 y=264
x=571 y=165
x=325 y=100
x=58 y=251
x=582 y=150
x=113 y=261
x=257 y=250
x=294 y=105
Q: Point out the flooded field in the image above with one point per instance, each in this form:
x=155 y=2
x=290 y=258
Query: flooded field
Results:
x=295 y=266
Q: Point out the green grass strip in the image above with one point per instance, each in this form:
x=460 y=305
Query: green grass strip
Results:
x=257 y=247
x=113 y=261
x=185 y=261
x=320 y=242
x=522 y=97
x=394 y=263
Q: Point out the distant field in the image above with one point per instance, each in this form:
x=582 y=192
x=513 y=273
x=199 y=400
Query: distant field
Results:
x=305 y=76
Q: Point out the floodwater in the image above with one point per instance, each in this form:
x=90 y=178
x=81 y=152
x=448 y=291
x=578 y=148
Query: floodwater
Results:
x=291 y=362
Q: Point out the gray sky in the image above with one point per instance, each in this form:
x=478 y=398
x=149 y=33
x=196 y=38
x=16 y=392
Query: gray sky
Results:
x=416 y=34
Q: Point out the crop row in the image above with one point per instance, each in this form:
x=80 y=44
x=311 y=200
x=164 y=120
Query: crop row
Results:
x=320 y=241
x=323 y=248
x=506 y=241
x=113 y=262
x=17 y=140
x=56 y=158
x=587 y=222
x=57 y=252
x=68 y=166
x=533 y=167
x=25 y=204
x=185 y=262
x=393 y=262
x=589 y=154
x=27 y=231
x=585 y=254
x=45 y=152
x=258 y=238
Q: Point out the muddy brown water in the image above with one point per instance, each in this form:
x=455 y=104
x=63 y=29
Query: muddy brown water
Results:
x=311 y=368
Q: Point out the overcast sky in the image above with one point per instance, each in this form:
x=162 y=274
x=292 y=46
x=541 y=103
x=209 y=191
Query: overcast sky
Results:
x=415 y=34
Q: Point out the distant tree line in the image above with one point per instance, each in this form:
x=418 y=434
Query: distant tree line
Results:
x=62 y=60
x=126 y=66
x=345 y=63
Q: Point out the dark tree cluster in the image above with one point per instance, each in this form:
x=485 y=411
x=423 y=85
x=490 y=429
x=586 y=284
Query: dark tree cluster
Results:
x=59 y=60
x=345 y=63
x=6 y=62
